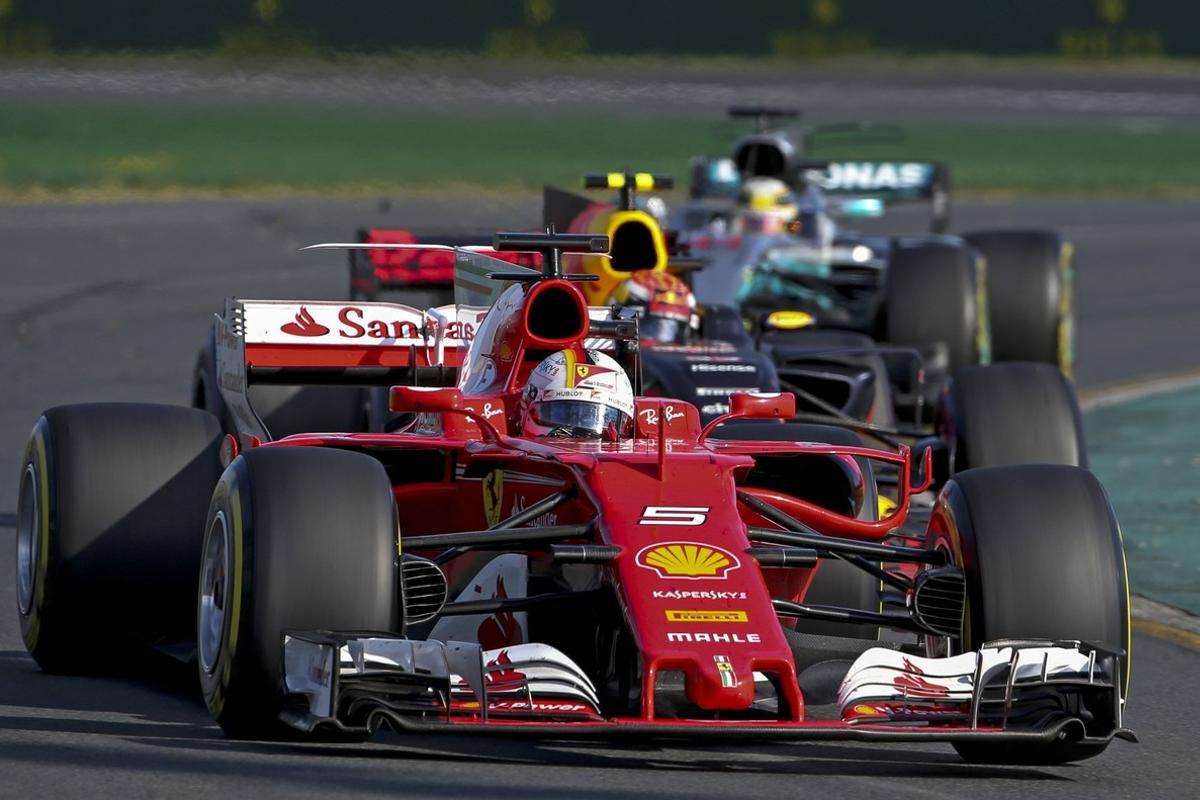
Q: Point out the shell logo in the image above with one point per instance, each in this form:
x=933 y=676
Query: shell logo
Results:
x=687 y=560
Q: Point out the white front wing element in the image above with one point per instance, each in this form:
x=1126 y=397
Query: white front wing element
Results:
x=890 y=686
x=533 y=670
x=313 y=666
x=338 y=675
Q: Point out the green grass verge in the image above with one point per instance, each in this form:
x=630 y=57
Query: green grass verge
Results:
x=49 y=151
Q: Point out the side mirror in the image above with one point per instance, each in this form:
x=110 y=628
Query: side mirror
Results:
x=441 y=400
x=424 y=399
x=762 y=405
x=755 y=405
x=939 y=460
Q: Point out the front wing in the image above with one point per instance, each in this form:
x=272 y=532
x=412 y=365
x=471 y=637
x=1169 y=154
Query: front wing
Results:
x=1009 y=691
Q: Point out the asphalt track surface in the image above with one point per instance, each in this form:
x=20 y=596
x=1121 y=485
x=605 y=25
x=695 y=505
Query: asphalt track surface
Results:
x=110 y=303
x=1013 y=92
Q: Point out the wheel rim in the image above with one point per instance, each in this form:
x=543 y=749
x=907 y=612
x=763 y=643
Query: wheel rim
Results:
x=214 y=593
x=29 y=539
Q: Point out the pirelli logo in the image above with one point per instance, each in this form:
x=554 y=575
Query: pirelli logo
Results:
x=705 y=616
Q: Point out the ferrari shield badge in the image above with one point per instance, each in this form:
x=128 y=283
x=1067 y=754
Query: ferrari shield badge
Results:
x=493 y=496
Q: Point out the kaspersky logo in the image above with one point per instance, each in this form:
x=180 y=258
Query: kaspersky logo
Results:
x=687 y=560
x=304 y=325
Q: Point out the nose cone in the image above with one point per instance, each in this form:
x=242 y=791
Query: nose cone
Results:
x=721 y=685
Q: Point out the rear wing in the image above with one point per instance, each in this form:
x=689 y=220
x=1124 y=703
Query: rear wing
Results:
x=315 y=342
x=892 y=182
x=431 y=267
x=889 y=181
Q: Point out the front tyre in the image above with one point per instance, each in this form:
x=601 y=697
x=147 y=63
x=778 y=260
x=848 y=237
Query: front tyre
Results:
x=1041 y=551
x=297 y=538
x=1011 y=413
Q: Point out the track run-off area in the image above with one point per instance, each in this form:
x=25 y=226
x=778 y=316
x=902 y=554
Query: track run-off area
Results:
x=110 y=302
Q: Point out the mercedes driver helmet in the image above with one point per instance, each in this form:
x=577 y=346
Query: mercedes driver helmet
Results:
x=767 y=205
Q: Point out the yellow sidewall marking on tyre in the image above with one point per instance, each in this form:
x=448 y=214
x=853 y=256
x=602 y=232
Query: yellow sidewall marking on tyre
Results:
x=1066 y=300
x=983 y=321
x=1128 y=615
x=224 y=667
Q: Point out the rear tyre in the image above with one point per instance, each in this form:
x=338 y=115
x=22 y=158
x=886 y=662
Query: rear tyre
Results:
x=1043 y=559
x=288 y=410
x=284 y=410
x=205 y=395
x=1030 y=302
x=110 y=516
x=933 y=297
x=296 y=539
x=836 y=583
x=1011 y=414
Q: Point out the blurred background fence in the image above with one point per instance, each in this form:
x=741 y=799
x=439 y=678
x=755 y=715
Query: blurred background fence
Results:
x=786 y=29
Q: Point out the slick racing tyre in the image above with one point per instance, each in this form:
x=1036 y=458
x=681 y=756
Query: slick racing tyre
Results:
x=1030 y=303
x=1011 y=413
x=205 y=395
x=837 y=583
x=1042 y=556
x=288 y=410
x=934 y=297
x=297 y=538
x=110 y=515
x=284 y=410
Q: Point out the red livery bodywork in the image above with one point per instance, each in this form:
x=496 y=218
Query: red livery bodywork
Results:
x=399 y=269
x=690 y=596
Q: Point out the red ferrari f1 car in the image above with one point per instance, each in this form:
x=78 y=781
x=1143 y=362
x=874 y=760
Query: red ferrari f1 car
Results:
x=541 y=552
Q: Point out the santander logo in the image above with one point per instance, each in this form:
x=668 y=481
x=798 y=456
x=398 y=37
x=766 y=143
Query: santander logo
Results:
x=304 y=325
x=368 y=323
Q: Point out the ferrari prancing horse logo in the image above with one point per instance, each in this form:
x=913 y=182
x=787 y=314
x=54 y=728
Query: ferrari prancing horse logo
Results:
x=493 y=496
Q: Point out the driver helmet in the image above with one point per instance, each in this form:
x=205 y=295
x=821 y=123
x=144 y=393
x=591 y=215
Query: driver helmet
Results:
x=767 y=205
x=666 y=308
x=579 y=395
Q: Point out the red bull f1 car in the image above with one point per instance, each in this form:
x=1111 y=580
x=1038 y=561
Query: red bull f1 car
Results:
x=474 y=572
